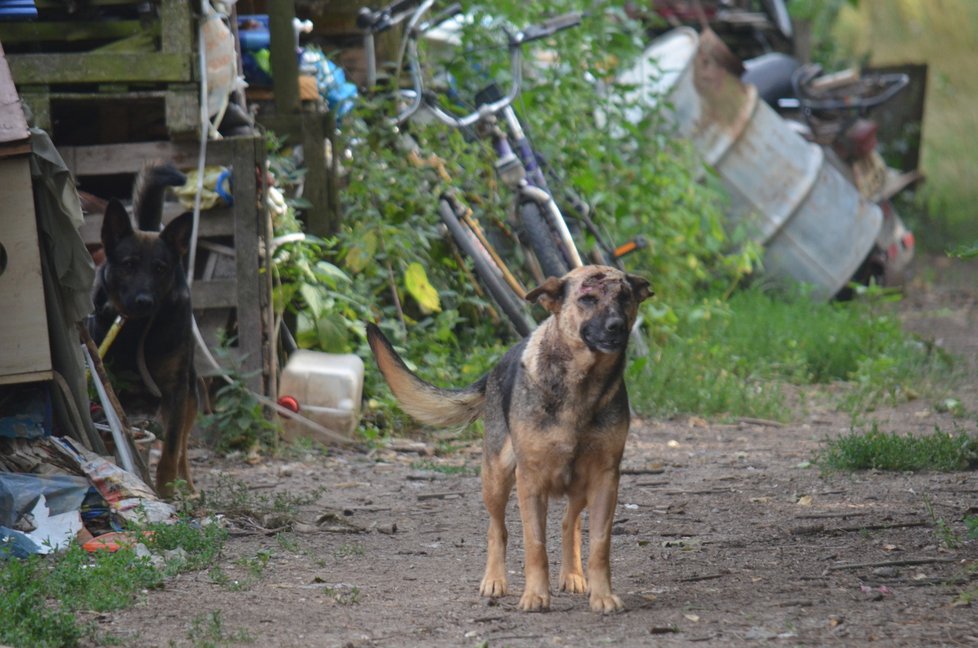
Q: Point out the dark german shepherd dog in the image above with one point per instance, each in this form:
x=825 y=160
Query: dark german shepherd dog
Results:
x=143 y=281
x=556 y=418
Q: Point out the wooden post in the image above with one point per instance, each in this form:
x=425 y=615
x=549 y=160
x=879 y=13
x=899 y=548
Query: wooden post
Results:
x=285 y=67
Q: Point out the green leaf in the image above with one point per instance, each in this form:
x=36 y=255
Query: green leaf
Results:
x=416 y=282
x=362 y=252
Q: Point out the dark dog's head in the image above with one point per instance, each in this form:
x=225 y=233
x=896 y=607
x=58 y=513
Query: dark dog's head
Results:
x=142 y=268
x=598 y=304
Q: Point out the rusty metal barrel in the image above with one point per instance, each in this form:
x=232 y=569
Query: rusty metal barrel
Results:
x=814 y=225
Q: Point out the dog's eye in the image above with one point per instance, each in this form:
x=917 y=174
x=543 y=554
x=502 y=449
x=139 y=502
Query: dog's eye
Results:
x=161 y=268
x=587 y=300
x=130 y=265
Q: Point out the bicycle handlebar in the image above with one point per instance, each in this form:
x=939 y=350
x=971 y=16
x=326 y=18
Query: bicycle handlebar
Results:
x=893 y=82
x=374 y=22
x=551 y=26
x=514 y=44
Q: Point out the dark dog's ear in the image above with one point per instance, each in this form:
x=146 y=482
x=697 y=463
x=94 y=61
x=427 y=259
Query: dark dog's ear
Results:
x=641 y=288
x=550 y=294
x=115 y=225
x=177 y=233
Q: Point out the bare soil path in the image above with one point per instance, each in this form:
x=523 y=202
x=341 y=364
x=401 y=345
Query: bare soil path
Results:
x=724 y=535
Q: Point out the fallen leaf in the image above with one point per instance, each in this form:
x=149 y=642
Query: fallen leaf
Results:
x=695 y=421
x=890 y=547
x=672 y=443
x=692 y=617
x=805 y=500
x=760 y=500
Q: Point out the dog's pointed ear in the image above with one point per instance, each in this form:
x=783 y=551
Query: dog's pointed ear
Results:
x=550 y=294
x=641 y=287
x=177 y=233
x=116 y=225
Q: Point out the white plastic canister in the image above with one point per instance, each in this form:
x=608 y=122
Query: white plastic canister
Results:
x=327 y=387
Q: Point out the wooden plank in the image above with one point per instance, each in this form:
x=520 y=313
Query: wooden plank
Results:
x=213 y=222
x=217 y=293
x=67 y=31
x=13 y=125
x=176 y=26
x=24 y=326
x=100 y=67
x=246 y=244
x=111 y=159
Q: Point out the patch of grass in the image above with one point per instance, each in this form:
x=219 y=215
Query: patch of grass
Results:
x=445 y=469
x=208 y=631
x=734 y=358
x=876 y=450
x=237 y=500
x=39 y=595
x=349 y=549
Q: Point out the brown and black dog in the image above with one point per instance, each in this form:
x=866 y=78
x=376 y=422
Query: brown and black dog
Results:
x=143 y=280
x=556 y=418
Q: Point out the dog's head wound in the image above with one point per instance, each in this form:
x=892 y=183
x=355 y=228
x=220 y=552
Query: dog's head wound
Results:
x=604 y=302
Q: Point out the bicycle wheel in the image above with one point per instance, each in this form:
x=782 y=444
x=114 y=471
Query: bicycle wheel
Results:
x=512 y=306
x=541 y=240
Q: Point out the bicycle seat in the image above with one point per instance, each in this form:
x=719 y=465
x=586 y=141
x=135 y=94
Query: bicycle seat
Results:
x=771 y=74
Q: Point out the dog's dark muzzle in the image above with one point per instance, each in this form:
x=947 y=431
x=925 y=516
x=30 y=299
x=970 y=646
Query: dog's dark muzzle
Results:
x=606 y=334
x=140 y=305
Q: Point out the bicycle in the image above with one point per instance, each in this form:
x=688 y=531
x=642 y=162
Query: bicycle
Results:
x=545 y=231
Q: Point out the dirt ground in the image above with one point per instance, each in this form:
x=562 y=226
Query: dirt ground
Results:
x=724 y=535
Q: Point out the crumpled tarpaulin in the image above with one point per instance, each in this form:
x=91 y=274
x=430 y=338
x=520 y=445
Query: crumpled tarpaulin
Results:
x=69 y=273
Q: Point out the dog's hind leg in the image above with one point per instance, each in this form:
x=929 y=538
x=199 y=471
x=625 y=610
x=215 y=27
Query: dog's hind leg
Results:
x=498 y=477
x=189 y=416
x=571 y=570
x=602 y=500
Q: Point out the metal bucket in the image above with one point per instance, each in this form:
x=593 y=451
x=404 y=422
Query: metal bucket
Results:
x=815 y=226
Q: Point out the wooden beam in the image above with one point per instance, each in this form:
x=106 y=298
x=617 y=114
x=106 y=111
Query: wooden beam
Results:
x=285 y=66
x=99 y=67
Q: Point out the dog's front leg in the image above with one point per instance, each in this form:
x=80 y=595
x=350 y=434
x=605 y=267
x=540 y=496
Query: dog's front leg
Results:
x=571 y=570
x=533 y=512
x=497 y=484
x=602 y=501
x=177 y=419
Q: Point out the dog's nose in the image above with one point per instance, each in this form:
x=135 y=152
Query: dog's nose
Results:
x=614 y=325
x=144 y=301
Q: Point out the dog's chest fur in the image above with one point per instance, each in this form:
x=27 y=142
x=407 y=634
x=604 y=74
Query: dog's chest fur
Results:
x=564 y=407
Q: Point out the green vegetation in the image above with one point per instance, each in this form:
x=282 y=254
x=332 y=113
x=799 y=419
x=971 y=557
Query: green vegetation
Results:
x=876 y=450
x=40 y=595
x=735 y=358
x=716 y=350
x=942 y=35
x=208 y=631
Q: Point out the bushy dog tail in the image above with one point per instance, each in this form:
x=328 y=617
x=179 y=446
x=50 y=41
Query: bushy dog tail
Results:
x=149 y=190
x=423 y=401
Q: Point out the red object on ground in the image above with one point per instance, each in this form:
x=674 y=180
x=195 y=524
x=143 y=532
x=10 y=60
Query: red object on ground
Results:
x=289 y=403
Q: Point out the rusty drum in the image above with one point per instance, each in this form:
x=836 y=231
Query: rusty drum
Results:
x=814 y=225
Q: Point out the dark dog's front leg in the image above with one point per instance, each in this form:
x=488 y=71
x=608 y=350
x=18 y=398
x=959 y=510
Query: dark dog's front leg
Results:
x=178 y=410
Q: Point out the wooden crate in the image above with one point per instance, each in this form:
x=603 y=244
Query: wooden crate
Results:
x=103 y=53
x=26 y=355
x=231 y=244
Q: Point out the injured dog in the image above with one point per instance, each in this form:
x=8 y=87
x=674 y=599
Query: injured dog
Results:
x=556 y=418
x=143 y=281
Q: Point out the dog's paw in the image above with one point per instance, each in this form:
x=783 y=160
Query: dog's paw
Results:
x=606 y=604
x=573 y=583
x=535 y=602
x=493 y=587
